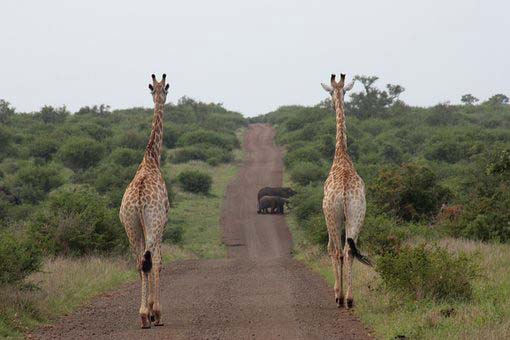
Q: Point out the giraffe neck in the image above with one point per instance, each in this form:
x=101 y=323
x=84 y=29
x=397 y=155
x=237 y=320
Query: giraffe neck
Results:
x=341 y=137
x=155 y=144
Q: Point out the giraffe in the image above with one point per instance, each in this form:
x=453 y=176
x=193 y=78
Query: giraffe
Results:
x=144 y=212
x=344 y=202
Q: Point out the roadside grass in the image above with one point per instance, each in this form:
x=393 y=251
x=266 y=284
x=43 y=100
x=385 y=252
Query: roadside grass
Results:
x=486 y=316
x=199 y=215
x=65 y=284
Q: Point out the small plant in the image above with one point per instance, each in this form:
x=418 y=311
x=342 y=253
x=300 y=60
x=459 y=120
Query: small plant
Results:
x=18 y=258
x=195 y=181
x=422 y=272
x=380 y=235
x=306 y=173
x=77 y=221
x=173 y=234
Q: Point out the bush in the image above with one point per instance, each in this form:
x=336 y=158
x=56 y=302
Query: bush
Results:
x=126 y=157
x=133 y=139
x=305 y=154
x=410 y=192
x=173 y=234
x=306 y=173
x=195 y=181
x=307 y=202
x=201 y=136
x=33 y=182
x=380 y=236
x=316 y=230
x=81 y=153
x=201 y=153
x=18 y=258
x=78 y=222
x=43 y=147
x=421 y=272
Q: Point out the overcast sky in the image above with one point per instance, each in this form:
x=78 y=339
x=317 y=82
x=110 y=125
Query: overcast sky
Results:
x=253 y=56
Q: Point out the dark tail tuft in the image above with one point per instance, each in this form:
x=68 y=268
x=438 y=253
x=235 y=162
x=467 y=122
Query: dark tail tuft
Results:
x=147 y=262
x=355 y=252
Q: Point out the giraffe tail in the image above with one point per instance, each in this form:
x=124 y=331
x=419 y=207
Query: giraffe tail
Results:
x=147 y=262
x=355 y=252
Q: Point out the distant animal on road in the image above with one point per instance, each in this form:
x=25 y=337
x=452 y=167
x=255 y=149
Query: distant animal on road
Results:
x=275 y=203
x=284 y=192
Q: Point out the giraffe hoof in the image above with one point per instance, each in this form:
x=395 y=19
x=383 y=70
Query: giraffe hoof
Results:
x=350 y=303
x=146 y=322
x=158 y=324
x=339 y=302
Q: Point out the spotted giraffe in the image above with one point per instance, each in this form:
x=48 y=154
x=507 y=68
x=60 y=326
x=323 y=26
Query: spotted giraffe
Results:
x=144 y=212
x=344 y=202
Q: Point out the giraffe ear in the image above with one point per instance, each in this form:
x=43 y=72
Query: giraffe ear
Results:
x=151 y=87
x=167 y=87
x=327 y=88
x=349 y=86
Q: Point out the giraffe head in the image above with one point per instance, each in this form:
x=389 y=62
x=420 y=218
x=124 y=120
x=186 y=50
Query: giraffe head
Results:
x=338 y=89
x=159 y=89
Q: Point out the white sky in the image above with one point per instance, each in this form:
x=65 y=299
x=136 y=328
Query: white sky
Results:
x=253 y=56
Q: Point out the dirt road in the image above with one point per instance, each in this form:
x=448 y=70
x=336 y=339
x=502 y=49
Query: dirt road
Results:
x=258 y=292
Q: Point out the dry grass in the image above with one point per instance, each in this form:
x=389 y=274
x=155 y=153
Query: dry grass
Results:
x=61 y=286
x=487 y=316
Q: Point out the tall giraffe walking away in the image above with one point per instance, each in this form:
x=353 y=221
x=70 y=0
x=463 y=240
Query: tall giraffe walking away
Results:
x=344 y=202
x=144 y=212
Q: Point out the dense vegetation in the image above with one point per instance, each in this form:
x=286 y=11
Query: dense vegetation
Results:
x=413 y=161
x=62 y=175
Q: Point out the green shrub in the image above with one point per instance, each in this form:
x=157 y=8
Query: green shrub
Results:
x=195 y=181
x=380 y=236
x=173 y=234
x=201 y=136
x=410 y=192
x=421 y=272
x=18 y=258
x=316 y=230
x=171 y=134
x=43 y=147
x=306 y=173
x=308 y=153
x=133 y=139
x=126 y=156
x=81 y=153
x=201 y=153
x=33 y=182
x=77 y=222
x=307 y=202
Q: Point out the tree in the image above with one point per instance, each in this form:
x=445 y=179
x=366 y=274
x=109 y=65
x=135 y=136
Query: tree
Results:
x=498 y=99
x=5 y=111
x=468 y=99
x=100 y=110
x=81 y=152
x=394 y=91
x=411 y=192
x=373 y=102
x=51 y=115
